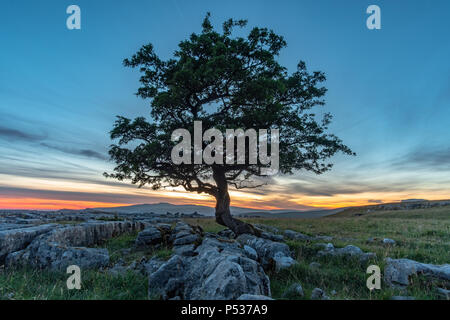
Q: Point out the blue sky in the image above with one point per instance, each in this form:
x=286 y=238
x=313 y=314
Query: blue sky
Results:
x=60 y=90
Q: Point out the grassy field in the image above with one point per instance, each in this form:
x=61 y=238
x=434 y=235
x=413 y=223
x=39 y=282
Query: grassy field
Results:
x=32 y=284
x=422 y=235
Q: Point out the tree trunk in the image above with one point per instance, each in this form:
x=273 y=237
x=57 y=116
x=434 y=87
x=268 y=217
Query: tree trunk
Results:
x=223 y=214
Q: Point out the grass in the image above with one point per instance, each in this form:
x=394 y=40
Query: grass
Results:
x=27 y=284
x=31 y=284
x=122 y=247
x=422 y=235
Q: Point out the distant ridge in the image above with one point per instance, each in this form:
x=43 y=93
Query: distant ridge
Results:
x=163 y=208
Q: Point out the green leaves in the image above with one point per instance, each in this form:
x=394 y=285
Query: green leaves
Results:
x=225 y=81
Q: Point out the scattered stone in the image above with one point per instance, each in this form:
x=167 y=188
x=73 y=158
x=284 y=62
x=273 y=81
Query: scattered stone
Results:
x=348 y=251
x=267 y=228
x=271 y=253
x=293 y=235
x=250 y=252
x=246 y=296
x=398 y=271
x=68 y=245
x=271 y=236
x=319 y=294
x=314 y=265
x=151 y=266
x=443 y=293
x=388 y=242
x=219 y=271
x=164 y=227
x=148 y=237
x=184 y=238
x=295 y=290
x=185 y=250
x=323 y=238
x=118 y=269
x=227 y=233
x=282 y=261
x=12 y=240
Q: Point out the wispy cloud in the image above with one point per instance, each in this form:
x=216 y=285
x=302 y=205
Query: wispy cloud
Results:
x=433 y=158
x=80 y=152
x=11 y=192
x=15 y=134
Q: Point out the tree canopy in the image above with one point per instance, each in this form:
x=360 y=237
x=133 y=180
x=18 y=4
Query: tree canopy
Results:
x=226 y=82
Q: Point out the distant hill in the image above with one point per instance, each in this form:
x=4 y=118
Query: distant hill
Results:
x=163 y=208
x=404 y=205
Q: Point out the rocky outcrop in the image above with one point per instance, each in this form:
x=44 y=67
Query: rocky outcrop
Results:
x=149 y=236
x=68 y=245
x=219 y=270
x=271 y=254
x=12 y=240
x=397 y=272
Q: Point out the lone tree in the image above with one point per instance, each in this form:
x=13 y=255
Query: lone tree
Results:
x=227 y=82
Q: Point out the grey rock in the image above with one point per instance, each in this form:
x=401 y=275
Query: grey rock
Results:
x=398 y=271
x=282 y=261
x=118 y=269
x=293 y=235
x=181 y=226
x=271 y=236
x=68 y=245
x=148 y=237
x=185 y=238
x=443 y=293
x=295 y=290
x=314 y=265
x=219 y=271
x=323 y=238
x=185 y=250
x=388 y=242
x=348 y=251
x=269 y=252
x=246 y=296
x=164 y=227
x=167 y=281
x=12 y=240
x=267 y=228
x=226 y=233
x=319 y=294
x=250 y=252
x=152 y=266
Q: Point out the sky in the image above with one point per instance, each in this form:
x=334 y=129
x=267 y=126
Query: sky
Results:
x=60 y=91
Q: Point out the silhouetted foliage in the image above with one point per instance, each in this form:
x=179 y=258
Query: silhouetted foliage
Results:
x=227 y=82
